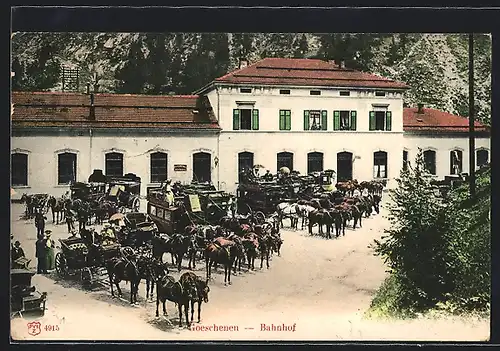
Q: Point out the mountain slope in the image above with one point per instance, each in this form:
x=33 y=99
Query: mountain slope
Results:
x=434 y=65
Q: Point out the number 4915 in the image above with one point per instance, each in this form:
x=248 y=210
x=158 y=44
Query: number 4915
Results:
x=51 y=328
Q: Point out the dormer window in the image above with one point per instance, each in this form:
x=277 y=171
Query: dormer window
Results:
x=345 y=93
x=245 y=90
x=285 y=91
x=315 y=92
x=380 y=93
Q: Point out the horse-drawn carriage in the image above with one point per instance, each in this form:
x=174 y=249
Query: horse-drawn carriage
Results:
x=24 y=298
x=79 y=256
x=138 y=230
x=124 y=191
x=88 y=191
x=193 y=204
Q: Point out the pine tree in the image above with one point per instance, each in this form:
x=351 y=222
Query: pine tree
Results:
x=158 y=63
x=301 y=47
x=132 y=76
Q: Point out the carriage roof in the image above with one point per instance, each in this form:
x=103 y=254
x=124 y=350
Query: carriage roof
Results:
x=70 y=241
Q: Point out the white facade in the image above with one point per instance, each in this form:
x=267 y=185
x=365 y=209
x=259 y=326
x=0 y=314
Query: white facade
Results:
x=90 y=146
x=43 y=156
x=268 y=140
x=443 y=145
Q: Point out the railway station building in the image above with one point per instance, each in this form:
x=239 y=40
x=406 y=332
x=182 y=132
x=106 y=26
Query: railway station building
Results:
x=306 y=114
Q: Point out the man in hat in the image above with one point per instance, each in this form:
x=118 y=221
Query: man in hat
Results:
x=268 y=176
x=49 y=245
x=17 y=251
x=41 y=255
x=40 y=223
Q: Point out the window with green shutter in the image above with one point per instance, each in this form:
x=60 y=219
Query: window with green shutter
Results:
x=324 y=120
x=282 y=119
x=285 y=120
x=388 y=120
x=306 y=120
x=353 y=120
x=236 y=119
x=255 y=119
x=336 y=120
x=372 y=120
x=288 y=119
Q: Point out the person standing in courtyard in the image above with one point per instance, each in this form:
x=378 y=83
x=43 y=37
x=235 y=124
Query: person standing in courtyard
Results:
x=49 y=244
x=40 y=223
x=70 y=220
x=41 y=255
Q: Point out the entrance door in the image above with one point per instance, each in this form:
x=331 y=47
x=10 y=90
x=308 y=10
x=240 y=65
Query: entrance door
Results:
x=344 y=166
x=202 y=167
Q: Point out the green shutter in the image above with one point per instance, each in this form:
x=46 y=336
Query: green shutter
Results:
x=236 y=119
x=388 y=120
x=282 y=120
x=324 y=120
x=372 y=120
x=288 y=120
x=336 y=120
x=255 y=119
x=353 y=120
x=306 y=120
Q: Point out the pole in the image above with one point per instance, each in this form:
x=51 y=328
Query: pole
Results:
x=472 y=146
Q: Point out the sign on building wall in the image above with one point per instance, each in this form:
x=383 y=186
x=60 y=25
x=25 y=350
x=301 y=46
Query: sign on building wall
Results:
x=180 y=168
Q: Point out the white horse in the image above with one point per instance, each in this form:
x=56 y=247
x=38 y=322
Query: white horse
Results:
x=287 y=210
x=303 y=213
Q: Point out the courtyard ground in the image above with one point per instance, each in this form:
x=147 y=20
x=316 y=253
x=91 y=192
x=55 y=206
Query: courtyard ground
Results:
x=322 y=287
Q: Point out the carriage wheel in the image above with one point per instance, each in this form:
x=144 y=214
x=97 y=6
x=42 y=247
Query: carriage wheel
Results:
x=61 y=265
x=260 y=218
x=86 y=276
x=136 y=204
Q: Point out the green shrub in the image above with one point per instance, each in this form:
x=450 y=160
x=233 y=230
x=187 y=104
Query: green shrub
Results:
x=437 y=248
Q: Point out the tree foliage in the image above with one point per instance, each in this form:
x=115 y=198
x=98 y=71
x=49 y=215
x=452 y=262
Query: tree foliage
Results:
x=437 y=249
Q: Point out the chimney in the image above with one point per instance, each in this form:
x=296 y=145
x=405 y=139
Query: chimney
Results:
x=342 y=64
x=420 y=108
x=92 y=108
x=243 y=63
x=88 y=88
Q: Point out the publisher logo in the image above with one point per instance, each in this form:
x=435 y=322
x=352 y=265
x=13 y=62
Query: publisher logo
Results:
x=34 y=328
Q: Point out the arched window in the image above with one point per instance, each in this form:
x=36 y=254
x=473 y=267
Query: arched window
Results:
x=66 y=168
x=380 y=164
x=314 y=162
x=202 y=167
x=455 y=162
x=19 y=169
x=114 y=164
x=430 y=161
x=245 y=161
x=482 y=156
x=285 y=159
x=158 y=167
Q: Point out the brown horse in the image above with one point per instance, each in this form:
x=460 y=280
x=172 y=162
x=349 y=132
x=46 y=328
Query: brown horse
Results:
x=221 y=251
x=57 y=207
x=124 y=268
x=202 y=290
x=179 y=292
